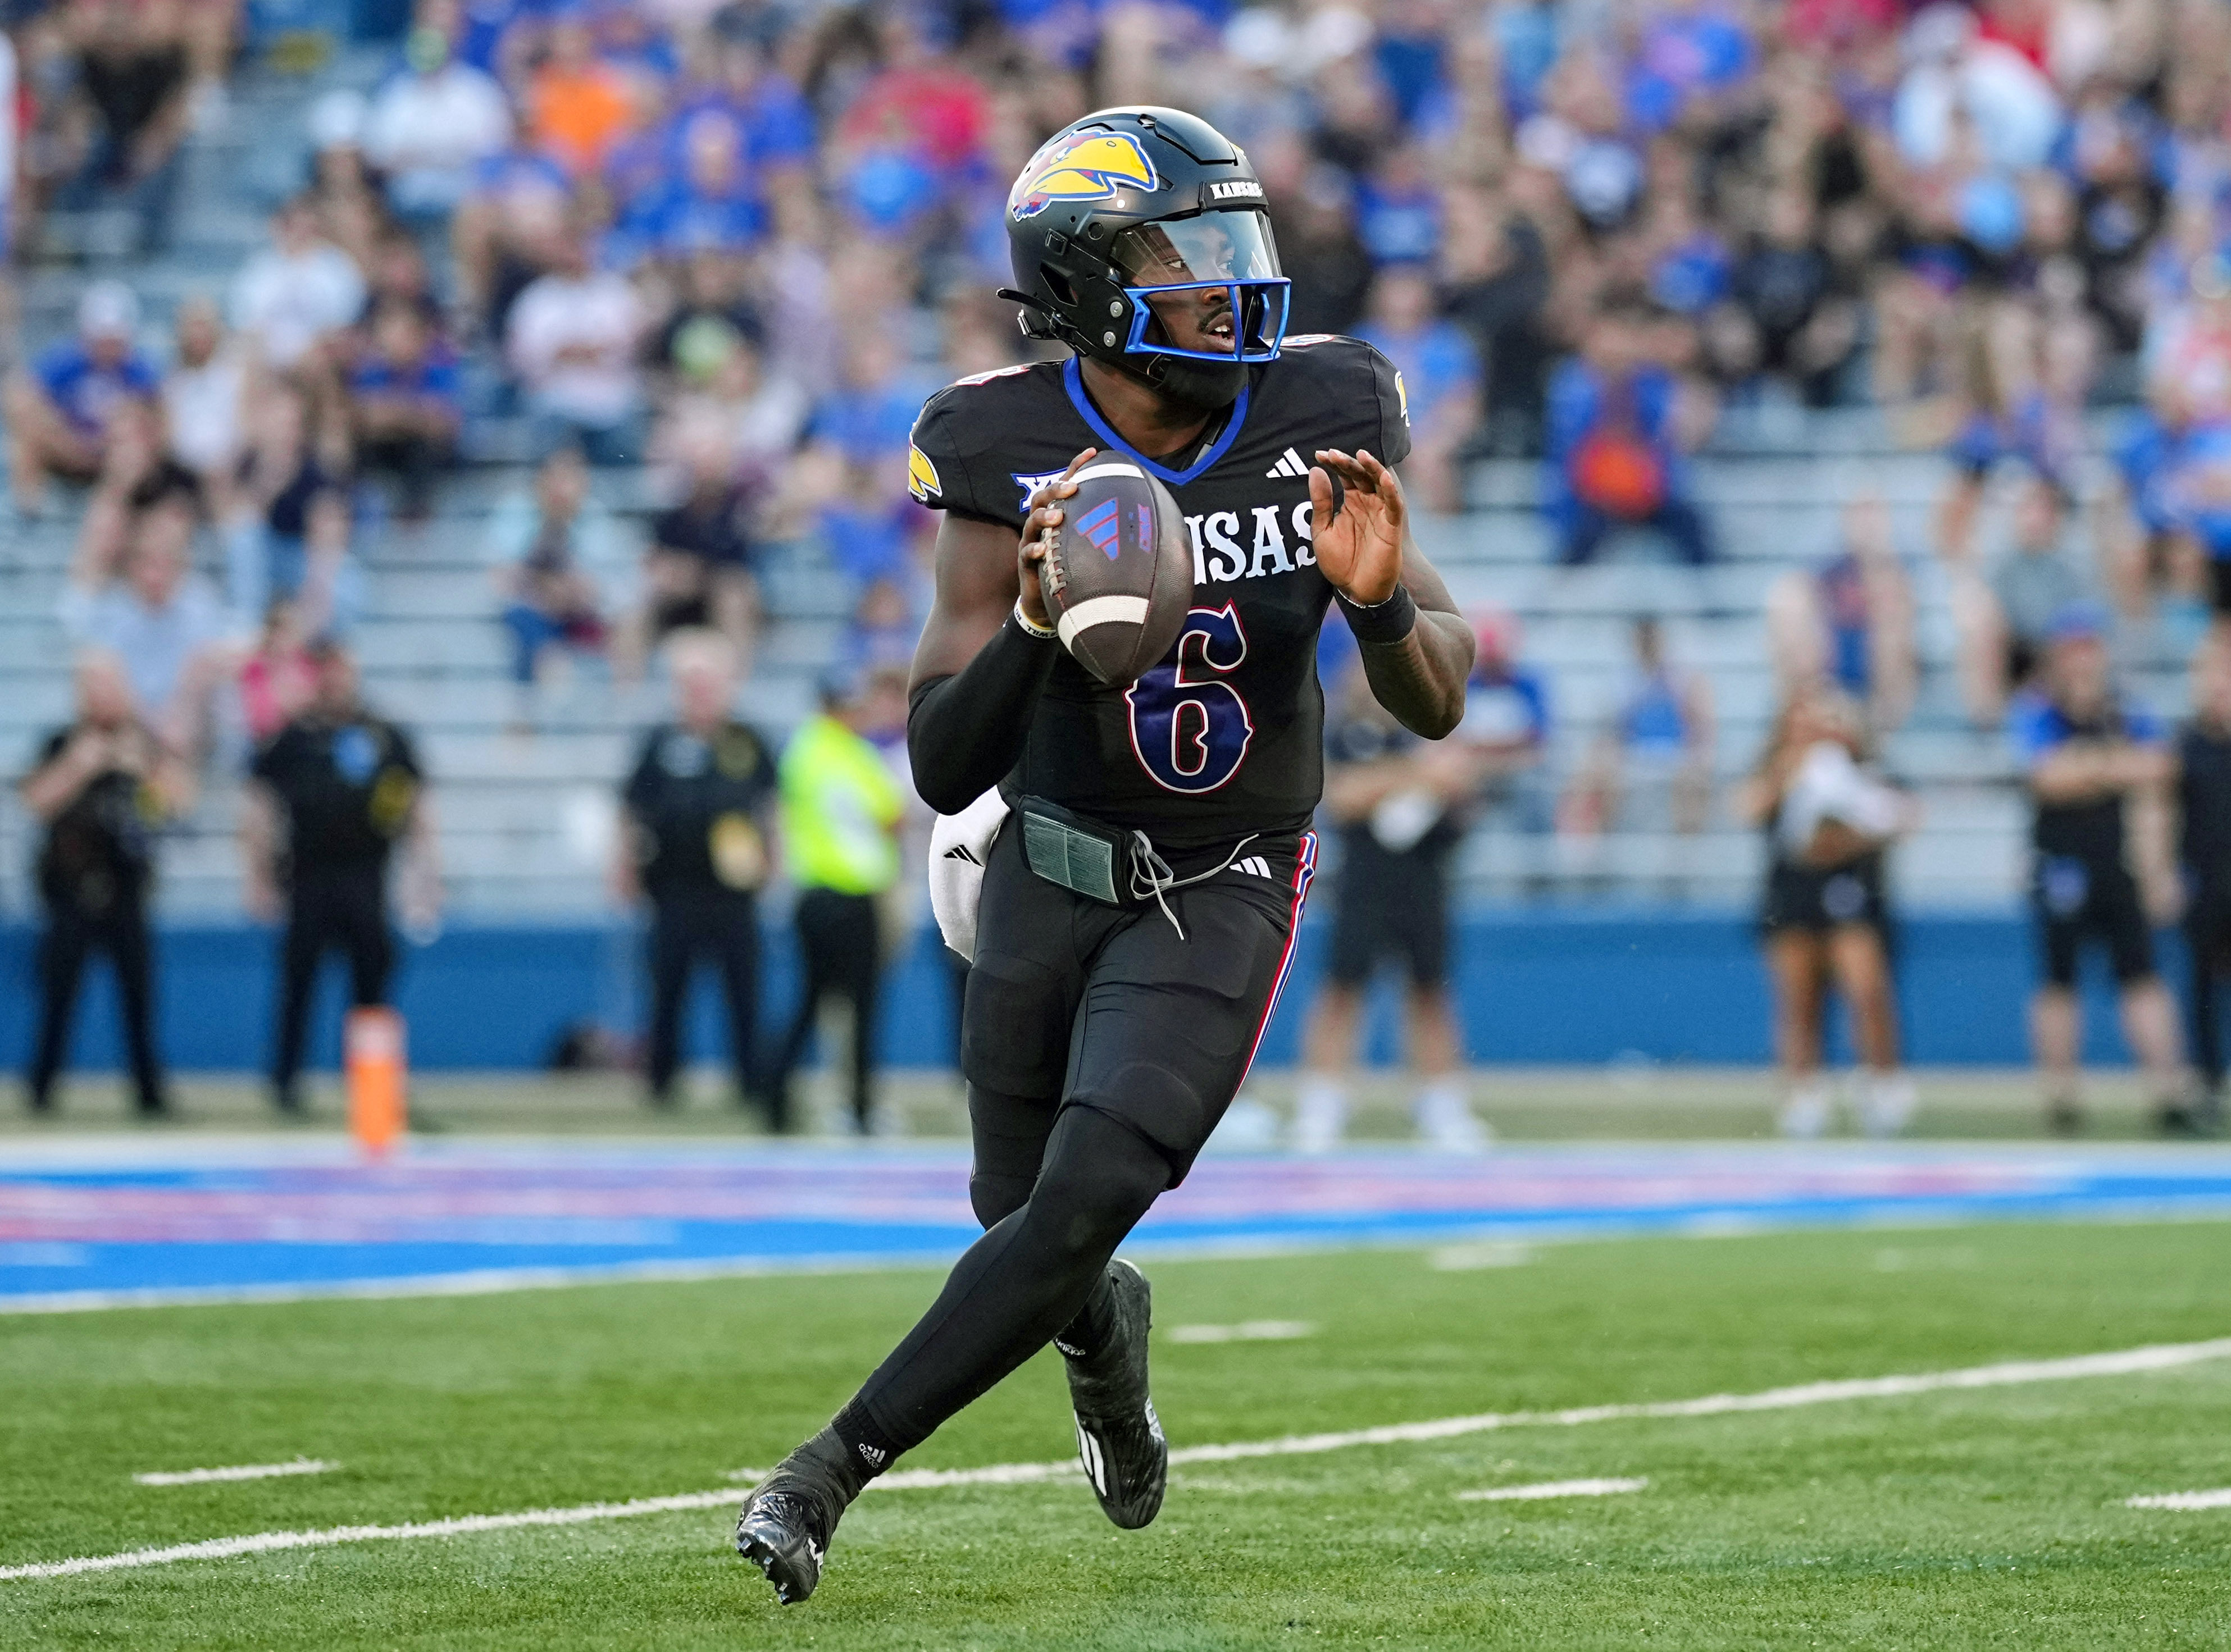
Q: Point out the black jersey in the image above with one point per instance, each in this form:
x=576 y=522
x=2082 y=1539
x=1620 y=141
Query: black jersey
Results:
x=347 y=788
x=98 y=853
x=1225 y=736
x=701 y=804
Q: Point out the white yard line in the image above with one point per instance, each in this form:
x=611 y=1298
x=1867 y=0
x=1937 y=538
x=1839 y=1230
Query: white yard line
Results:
x=2217 y=1498
x=1247 y=1331
x=2124 y=1362
x=1459 y=1258
x=1550 y=1488
x=246 y=1471
x=268 y=1542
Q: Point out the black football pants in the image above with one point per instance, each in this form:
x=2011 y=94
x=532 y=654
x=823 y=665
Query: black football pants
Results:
x=71 y=938
x=840 y=943
x=722 y=926
x=344 y=908
x=1101 y=1049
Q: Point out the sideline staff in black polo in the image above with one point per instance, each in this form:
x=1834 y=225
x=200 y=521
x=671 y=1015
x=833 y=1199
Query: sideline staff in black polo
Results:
x=329 y=798
x=695 y=842
x=2204 y=846
x=102 y=787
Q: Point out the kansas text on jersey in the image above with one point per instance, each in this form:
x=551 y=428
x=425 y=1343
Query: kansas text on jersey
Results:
x=1224 y=737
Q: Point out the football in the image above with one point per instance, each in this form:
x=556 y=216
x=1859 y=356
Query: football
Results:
x=1118 y=572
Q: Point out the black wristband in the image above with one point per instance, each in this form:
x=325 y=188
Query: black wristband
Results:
x=1388 y=622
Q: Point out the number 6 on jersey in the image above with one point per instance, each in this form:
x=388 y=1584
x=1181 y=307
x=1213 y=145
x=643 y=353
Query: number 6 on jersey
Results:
x=1189 y=727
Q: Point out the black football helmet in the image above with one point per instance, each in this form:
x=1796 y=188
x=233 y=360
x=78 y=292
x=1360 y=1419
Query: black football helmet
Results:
x=1119 y=214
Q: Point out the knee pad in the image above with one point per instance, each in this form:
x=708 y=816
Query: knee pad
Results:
x=1100 y=1178
x=1161 y=1102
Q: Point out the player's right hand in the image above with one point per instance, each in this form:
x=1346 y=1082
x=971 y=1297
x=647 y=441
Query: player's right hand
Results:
x=1045 y=514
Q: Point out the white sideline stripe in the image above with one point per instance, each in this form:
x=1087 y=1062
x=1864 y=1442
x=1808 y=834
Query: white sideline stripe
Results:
x=463 y=1525
x=1246 y=1330
x=247 y=1471
x=1108 y=467
x=486 y=1282
x=2217 y=1498
x=1101 y=610
x=1551 y=1489
x=2119 y=1362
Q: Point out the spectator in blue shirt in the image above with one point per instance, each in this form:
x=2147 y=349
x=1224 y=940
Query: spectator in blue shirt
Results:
x=777 y=122
x=1617 y=426
x=1437 y=367
x=2142 y=549
x=1688 y=56
x=1506 y=725
x=705 y=200
x=871 y=412
x=1650 y=769
x=1399 y=210
x=406 y=404
x=59 y=409
x=2087 y=754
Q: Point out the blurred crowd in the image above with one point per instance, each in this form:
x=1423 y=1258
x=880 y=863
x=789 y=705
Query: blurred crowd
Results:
x=739 y=243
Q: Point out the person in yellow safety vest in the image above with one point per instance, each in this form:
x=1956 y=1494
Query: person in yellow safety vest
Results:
x=841 y=811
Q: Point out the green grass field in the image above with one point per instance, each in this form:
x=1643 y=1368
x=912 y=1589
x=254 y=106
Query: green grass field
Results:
x=1993 y=1517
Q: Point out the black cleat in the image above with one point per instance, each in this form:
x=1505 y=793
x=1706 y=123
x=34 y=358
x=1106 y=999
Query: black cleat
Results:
x=1118 y=1435
x=787 y=1522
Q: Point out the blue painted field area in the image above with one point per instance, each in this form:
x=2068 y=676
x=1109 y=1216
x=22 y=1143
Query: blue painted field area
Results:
x=92 y=1224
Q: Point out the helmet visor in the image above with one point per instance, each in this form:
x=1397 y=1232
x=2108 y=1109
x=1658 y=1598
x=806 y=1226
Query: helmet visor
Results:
x=1208 y=286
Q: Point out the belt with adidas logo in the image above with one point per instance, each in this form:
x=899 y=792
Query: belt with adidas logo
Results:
x=1112 y=866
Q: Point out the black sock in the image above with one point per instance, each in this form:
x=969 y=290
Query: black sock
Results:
x=1041 y=1269
x=868 y=1450
x=1094 y=1327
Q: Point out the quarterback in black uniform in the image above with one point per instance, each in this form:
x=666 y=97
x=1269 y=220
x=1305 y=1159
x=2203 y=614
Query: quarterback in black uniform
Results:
x=1107 y=1029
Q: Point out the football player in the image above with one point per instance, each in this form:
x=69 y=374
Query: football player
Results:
x=1137 y=922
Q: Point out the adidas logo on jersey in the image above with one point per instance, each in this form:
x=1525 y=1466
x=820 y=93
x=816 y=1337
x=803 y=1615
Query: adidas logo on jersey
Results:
x=1289 y=465
x=963 y=852
x=1254 y=865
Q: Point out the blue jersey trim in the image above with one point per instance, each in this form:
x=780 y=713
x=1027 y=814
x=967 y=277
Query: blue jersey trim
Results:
x=1072 y=380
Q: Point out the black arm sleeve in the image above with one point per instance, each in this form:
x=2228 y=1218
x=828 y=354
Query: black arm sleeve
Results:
x=965 y=732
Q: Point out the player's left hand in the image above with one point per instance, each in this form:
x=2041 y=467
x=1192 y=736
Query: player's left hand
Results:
x=1360 y=548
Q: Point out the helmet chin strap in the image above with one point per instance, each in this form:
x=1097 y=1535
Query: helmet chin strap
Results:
x=1201 y=385
x=1196 y=384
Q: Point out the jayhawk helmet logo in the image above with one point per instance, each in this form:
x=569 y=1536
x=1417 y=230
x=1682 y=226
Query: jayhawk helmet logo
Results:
x=1082 y=166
